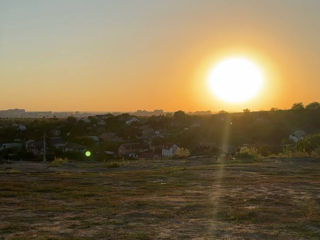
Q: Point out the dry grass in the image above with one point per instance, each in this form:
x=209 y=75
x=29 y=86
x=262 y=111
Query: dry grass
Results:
x=271 y=199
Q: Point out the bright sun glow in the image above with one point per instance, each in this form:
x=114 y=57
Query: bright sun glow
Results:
x=235 y=80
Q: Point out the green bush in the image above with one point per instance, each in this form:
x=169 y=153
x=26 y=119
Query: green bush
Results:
x=181 y=153
x=308 y=144
x=58 y=162
x=247 y=152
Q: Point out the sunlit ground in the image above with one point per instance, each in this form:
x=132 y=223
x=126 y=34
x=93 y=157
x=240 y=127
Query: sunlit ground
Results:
x=273 y=199
x=218 y=175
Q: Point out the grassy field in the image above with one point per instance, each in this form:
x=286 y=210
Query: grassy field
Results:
x=176 y=199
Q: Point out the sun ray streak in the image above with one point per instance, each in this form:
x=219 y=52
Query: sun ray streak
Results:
x=217 y=187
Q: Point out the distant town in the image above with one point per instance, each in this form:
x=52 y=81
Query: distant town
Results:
x=22 y=113
x=148 y=135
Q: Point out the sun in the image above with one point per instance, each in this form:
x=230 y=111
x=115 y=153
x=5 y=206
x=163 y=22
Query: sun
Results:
x=235 y=80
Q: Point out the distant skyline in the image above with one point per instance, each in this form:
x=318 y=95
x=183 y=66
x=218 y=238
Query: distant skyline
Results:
x=119 y=55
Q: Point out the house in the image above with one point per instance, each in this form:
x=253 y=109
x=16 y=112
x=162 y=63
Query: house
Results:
x=85 y=119
x=94 y=138
x=57 y=142
x=148 y=132
x=55 y=132
x=132 y=120
x=206 y=148
x=147 y=155
x=297 y=135
x=74 y=147
x=132 y=150
x=22 y=127
x=6 y=146
x=104 y=116
x=175 y=151
x=110 y=154
x=101 y=123
x=34 y=147
x=169 y=152
x=110 y=137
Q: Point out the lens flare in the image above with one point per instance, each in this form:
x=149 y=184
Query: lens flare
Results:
x=88 y=153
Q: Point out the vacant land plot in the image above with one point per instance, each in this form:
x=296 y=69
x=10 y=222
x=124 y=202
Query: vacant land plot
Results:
x=181 y=199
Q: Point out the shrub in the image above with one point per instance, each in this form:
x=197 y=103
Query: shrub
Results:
x=182 y=153
x=309 y=144
x=58 y=162
x=247 y=152
x=292 y=154
x=291 y=151
x=115 y=164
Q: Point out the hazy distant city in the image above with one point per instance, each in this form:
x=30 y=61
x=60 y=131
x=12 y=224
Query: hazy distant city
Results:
x=22 y=113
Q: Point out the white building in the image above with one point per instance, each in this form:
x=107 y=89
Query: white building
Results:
x=297 y=135
x=22 y=127
x=169 y=152
x=132 y=120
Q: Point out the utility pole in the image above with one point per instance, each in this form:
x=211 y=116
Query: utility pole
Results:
x=44 y=147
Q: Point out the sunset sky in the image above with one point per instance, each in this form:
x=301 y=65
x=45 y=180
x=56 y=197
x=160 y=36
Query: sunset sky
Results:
x=67 y=55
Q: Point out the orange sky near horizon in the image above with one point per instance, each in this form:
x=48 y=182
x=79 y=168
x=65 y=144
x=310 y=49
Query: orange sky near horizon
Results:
x=128 y=55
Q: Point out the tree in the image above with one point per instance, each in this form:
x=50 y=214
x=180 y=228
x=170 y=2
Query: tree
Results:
x=71 y=120
x=179 y=115
x=157 y=141
x=313 y=106
x=309 y=143
x=222 y=112
x=247 y=110
x=297 y=107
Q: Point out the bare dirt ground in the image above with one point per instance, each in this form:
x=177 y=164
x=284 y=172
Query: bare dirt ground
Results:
x=176 y=199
